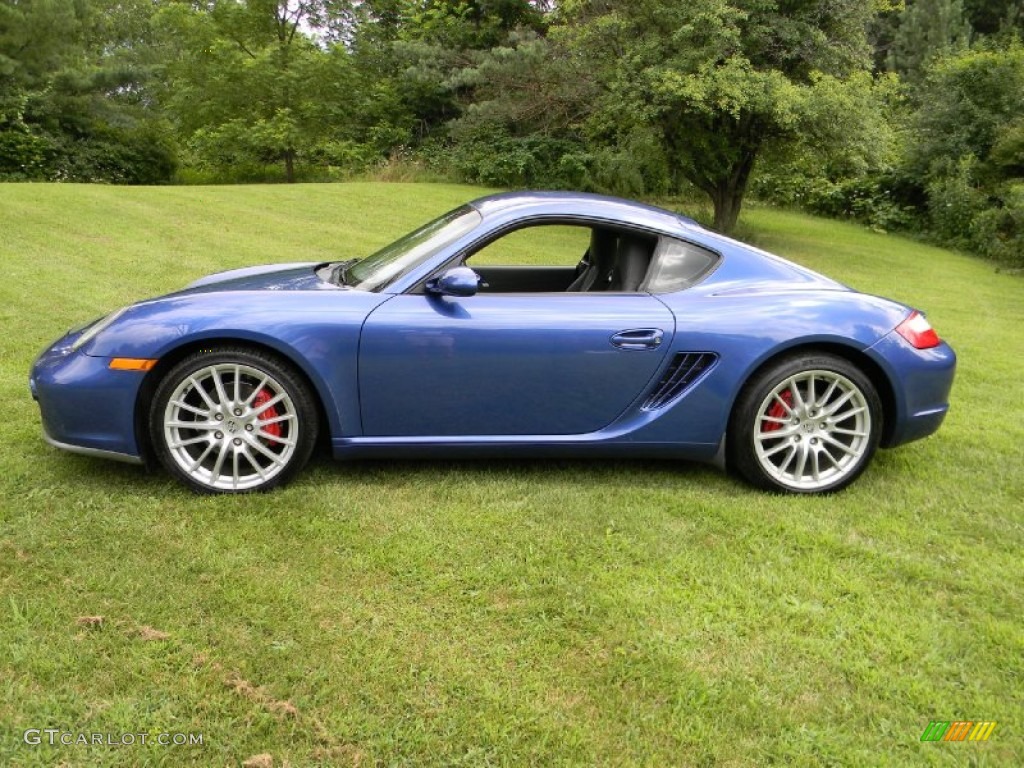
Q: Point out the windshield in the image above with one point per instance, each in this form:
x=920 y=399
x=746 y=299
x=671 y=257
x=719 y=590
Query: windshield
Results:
x=376 y=271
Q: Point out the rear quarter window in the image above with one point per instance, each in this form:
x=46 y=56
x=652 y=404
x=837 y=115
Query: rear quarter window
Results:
x=677 y=265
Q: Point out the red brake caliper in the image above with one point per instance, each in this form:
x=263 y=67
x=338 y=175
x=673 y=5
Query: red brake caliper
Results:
x=262 y=398
x=777 y=411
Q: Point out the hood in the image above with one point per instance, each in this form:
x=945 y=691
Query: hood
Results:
x=296 y=276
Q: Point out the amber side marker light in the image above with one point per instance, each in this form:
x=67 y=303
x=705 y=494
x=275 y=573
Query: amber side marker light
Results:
x=131 y=364
x=918 y=332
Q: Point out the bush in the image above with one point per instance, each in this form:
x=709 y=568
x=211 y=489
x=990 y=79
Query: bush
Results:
x=140 y=155
x=998 y=232
x=872 y=199
x=954 y=202
x=489 y=155
x=23 y=155
x=969 y=151
x=635 y=168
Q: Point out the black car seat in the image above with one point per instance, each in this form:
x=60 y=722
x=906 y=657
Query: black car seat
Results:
x=600 y=261
x=631 y=263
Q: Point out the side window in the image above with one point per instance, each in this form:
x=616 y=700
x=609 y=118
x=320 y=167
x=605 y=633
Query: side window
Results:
x=543 y=245
x=677 y=265
x=558 y=258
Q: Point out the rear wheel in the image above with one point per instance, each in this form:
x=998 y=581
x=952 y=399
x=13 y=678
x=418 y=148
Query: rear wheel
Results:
x=233 y=420
x=807 y=424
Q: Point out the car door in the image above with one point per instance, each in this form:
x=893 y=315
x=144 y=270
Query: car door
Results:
x=493 y=364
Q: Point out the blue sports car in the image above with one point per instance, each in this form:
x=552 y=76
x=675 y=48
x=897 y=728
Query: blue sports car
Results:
x=527 y=324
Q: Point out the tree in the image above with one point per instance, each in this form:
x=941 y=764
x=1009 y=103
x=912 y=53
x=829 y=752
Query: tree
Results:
x=73 y=79
x=717 y=82
x=258 y=81
x=992 y=17
x=927 y=29
x=470 y=24
x=968 y=152
x=441 y=38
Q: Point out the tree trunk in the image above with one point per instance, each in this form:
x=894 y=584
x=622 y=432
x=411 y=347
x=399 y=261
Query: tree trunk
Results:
x=727 y=209
x=719 y=164
x=727 y=193
x=289 y=166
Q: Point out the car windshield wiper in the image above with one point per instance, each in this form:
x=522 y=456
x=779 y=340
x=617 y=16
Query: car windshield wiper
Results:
x=339 y=272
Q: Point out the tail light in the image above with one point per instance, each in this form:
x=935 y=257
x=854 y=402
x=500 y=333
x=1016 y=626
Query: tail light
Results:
x=918 y=331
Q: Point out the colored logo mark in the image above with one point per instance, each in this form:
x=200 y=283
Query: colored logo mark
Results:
x=958 y=730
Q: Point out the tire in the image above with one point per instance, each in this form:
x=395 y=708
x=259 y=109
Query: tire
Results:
x=233 y=420
x=780 y=438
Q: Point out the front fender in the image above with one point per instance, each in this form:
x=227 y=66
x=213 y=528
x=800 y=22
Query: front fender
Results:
x=319 y=333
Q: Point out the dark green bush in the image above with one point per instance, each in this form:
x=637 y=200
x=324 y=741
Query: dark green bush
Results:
x=874 y=200
x=139 y=155
x=636 y=167
x=23 y=155
x=489 y=155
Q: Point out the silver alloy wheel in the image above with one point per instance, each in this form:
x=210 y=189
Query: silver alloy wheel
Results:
x=812 y=430
x=230 y=426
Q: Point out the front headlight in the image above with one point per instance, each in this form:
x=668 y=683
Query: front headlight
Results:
x=96 y=328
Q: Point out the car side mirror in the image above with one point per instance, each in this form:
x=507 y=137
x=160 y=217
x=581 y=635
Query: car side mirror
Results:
x=458 y=281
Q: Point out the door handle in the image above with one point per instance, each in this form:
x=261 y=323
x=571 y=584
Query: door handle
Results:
x=638 y=338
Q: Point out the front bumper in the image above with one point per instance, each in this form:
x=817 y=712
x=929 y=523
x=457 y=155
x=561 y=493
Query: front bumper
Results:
x=97 y=453
x=86 y=407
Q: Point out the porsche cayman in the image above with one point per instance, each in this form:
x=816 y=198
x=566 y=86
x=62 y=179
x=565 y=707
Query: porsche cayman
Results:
x=521 y=324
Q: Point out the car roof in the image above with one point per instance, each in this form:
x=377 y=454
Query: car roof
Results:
x=573 y=204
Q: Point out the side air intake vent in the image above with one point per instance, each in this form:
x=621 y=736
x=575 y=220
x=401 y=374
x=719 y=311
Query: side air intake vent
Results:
x=684 y=369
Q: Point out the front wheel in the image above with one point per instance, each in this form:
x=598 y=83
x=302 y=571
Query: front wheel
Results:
x=807 y=424
x=233 y=420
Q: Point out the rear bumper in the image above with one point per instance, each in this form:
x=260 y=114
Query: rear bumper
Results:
x=921 y=381
x=86 y=407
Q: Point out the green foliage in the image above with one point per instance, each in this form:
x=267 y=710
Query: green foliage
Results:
x=952 y=167
x=968 y=152
x=954 y=201
x=488 y=154
x=716 y=83
x=844 y=162
x=1000 y=18
x=927 y=29
x=999 y=229
x=967 y=102
x=38 y=39
x=72 y=95
x=461 y=25
x=634 y=167
x=869 y=198
x=247 y=84
x=631 y=97
x=24 y=155
x=645 y=91
x=1007 y=154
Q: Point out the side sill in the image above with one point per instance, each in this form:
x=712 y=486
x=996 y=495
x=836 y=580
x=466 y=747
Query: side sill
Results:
x=97 y=453
x=518 y=446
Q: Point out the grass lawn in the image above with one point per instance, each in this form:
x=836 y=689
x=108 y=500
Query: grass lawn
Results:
x=500 y=613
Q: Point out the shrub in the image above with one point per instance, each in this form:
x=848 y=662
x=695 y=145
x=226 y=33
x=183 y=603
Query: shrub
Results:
x=23 y=155
x=954 y=201
x=636 y=167
x=490 y=155
x=140 y=155
x=872 y=199
x=998 y=232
